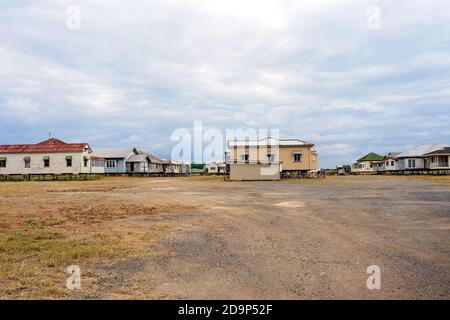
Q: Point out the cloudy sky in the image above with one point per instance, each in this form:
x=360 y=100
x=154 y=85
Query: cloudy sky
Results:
x=350 y=76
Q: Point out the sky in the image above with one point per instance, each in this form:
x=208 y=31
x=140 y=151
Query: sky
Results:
x=352 y=77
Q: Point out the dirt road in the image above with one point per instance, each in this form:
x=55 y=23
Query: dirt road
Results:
x=209 y=239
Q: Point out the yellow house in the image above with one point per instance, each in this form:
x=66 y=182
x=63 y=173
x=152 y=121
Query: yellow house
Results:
x=270 y=159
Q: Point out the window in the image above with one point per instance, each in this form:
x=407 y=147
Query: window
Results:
x=46 y=162
x=27 y=162
x=270 y=157
x=412 y=163
x=68 y=161
x=111 y=163
x=2 y=162
x=392 y=163
x=86 y=161
x=244 y=156
x=297 y=156
x=98 y=163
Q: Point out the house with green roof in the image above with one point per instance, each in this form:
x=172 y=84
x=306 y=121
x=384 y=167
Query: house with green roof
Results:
x=367 y=164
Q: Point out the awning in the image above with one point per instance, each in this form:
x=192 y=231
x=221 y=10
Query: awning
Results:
x=2 y=158
x=27 y=159
x=297 y=152
x=46 y=158
x=68 y=157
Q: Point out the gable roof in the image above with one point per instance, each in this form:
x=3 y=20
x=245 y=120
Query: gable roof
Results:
x=152 y=157
x=217 y=163
x=268 y=141
x=443 y=151
x=371 y=157
x=391 y=155
x=116 y=153
x=421 y=150
x=138 y=158
x=49 y=145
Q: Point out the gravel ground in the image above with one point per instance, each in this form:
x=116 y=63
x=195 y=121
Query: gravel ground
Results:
x=305 y=239
x=314 y=240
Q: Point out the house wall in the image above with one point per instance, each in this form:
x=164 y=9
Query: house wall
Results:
x=389 y=166
x=365 y=166
x=185 y=169
x=379 y=166
x=16 y=165
x=97 y=170
x=282 y=154
x=212 y=168
x=139 y=167
x=120 y=166
x=403 y=164
x=244 y=172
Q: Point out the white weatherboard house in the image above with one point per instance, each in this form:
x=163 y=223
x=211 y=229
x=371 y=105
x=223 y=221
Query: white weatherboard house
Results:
x=51 y=156
x=438 y=159
x=415 y=158
x=116 y=159
x=156 y=165
x=138 y=164
x=389 y=163
x=216 y=167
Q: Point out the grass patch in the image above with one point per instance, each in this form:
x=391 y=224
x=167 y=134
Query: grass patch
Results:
x=45 y=223
x=32 y=222
x=34 y=260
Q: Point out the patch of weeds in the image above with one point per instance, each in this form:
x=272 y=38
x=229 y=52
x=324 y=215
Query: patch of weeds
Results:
x=32 y=222
x=45 y=223
x=33 y=261
x=52 y=222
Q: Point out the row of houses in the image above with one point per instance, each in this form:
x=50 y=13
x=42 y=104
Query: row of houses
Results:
x=266 y=159
x=421 y=158
x=54 y=156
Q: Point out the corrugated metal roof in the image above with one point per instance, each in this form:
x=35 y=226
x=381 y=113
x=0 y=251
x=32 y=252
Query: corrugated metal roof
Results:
x=137 y=158
x=115 y=153
x=49 y=145
x=268 y=141
x=443 y=151
x=153 y=158
x=391 y=155
x=217 y=163
x=421 y=150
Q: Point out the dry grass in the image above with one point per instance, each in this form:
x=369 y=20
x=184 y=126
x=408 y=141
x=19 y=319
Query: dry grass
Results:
x=34 y=258
x=47 y=226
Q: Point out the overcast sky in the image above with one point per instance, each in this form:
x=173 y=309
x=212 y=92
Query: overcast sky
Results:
x=335 y=73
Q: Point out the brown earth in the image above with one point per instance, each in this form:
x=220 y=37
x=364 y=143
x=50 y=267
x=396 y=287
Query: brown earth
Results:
x=203 y=238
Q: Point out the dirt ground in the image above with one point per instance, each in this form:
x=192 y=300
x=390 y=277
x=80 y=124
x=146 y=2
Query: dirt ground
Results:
x=203 y=238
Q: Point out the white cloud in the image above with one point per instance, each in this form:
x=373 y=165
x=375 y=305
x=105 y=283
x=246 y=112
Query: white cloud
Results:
x=136 y=71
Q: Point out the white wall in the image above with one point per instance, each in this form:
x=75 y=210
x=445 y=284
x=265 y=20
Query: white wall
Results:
x=403 y=164
x=365 y=167
x=16 y=165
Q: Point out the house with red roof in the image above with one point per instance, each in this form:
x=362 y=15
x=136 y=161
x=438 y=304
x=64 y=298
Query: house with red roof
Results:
x=51 y=156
